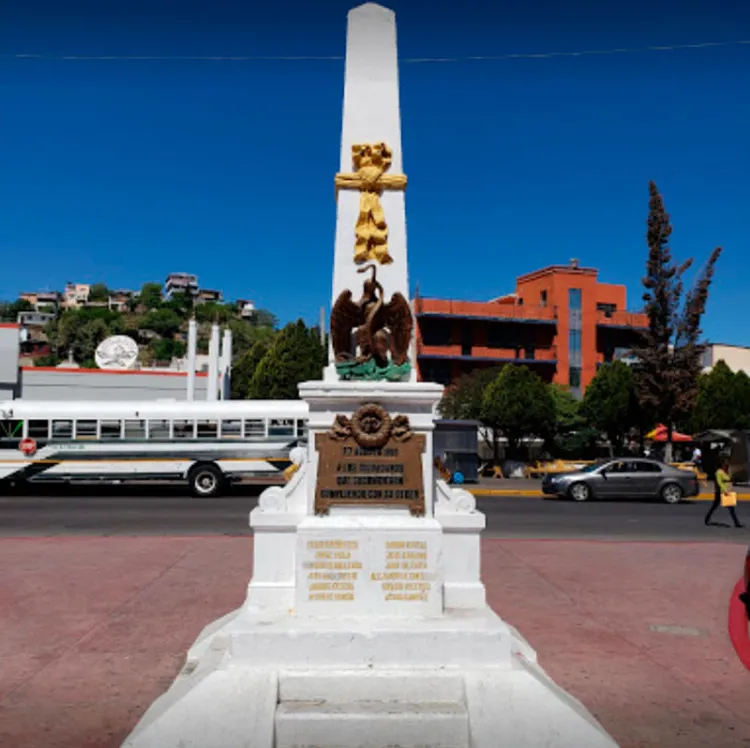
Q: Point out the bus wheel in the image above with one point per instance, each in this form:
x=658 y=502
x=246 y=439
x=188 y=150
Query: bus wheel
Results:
x=206 y=481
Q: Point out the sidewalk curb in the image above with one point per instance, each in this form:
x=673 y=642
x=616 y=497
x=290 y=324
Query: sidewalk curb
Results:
x=532 y=493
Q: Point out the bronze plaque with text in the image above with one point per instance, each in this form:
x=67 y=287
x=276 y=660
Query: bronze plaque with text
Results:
x=350 y=474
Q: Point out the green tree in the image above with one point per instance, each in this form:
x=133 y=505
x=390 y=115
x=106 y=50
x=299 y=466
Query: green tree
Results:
x=295 y=356
x=48 y=359
x=462 y=400
x=572 y=437
x=165 y=349
x=518 y=404
x=181 y=303
x=610 y=402
x=150 y=295
x=671 y=348
x=9 y=311
x=245 y=336
x=164 y=322
x=723 y=400
x=86 y=339
x=211 y=311
x=264 y=318
x=99 y=292
x=742 y=390
x=244 y=368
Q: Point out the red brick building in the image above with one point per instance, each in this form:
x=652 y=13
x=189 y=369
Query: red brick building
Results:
x=561 y=322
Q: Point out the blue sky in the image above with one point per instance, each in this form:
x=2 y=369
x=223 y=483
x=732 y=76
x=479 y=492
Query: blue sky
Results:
x=123 y=171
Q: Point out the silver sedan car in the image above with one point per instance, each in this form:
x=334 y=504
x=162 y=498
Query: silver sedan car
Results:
x=624 y=478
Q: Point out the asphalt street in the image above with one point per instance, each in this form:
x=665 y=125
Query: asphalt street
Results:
x=132 y=510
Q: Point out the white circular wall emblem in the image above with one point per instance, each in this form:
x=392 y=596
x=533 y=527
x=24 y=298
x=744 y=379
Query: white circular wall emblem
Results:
x=117 y=352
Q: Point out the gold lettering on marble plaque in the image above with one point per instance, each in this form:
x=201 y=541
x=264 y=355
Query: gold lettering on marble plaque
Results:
x=370 y=460
x=332 y=571
x=399 y=582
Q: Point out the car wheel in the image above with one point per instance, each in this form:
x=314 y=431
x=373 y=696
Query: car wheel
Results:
x=671 y=493
x=206 y=481
x=579 y=492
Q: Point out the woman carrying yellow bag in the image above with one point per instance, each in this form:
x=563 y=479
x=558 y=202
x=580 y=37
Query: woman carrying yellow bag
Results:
x=723 y=494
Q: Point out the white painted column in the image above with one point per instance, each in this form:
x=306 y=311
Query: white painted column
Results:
x=192 y=345
x=213 y=364
x=371 y=115
x=226 y=365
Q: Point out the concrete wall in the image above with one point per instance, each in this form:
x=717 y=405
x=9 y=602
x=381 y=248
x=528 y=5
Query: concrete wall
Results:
x=10 y=344
x=41 y=383
x=736 y=357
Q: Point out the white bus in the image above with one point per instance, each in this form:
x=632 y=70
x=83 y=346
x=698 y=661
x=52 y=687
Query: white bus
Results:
x=207 y=444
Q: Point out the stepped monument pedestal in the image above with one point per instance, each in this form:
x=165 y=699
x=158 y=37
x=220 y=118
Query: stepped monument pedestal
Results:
x=365 y=623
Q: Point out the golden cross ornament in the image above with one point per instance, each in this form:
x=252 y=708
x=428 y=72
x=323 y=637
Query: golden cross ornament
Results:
x=371 y=162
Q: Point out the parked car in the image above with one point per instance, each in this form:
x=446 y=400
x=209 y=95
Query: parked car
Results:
x=624 y=478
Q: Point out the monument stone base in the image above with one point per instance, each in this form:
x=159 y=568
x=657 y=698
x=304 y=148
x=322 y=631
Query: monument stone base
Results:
x=463 y=680
x=366 y=626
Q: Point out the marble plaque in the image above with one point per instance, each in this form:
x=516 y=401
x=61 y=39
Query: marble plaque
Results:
x=368 y=570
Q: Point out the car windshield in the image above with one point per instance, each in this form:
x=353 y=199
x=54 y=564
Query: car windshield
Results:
x=590 y=468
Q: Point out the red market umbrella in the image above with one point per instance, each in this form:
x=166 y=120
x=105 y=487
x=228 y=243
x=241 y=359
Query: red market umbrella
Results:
x=659 y=434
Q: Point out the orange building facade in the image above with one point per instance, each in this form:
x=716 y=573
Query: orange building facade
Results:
x=561 y=322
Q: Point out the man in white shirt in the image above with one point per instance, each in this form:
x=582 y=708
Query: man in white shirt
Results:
x=697 y=456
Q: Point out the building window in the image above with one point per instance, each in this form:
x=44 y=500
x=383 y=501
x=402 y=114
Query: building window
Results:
x=608 y=309
x=543 y=298
x=500 y=336
x=435 y=332
x=574 y=340
x=574 y=299
x=436 y=371
x=466 y=340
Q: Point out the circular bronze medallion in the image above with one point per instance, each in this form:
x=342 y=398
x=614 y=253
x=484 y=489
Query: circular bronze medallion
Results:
x=371 y=426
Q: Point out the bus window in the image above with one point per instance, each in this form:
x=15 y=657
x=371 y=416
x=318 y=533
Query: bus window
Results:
x=231 y=429
x=184 y=429
x=39 y=429
x=11 y=429
x=255 y=429
x=85 y=429
x=281 y=427
x=137 y=429
x=302 y=429
x=110 y=430
x=62 y=429
x=158 y=429
x=208 y=429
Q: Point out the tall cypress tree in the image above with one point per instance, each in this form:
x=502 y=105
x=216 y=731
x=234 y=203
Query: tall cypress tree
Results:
x=671 y=349
x=295 y=356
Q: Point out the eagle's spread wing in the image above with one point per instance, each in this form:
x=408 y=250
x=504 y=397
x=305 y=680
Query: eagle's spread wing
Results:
x=345 y=316
x=399 y=321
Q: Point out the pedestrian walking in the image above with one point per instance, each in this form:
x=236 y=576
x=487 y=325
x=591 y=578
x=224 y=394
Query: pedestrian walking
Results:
x=697 y=458
x=723 y=495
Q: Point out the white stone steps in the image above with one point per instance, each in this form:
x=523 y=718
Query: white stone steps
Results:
x=341 y=686
x=371 y=724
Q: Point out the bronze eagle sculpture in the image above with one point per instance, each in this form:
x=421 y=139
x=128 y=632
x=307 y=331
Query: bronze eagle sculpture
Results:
x=380 y=328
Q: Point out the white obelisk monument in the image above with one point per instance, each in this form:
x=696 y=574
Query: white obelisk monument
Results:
x=365 y=623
